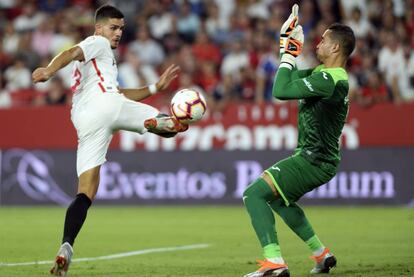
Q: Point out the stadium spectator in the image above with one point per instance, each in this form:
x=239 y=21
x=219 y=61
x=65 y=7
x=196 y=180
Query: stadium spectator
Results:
x=257 y=9
x=265 y=71
x=64 y=38
x=5 y=99
x=10 y=39
x=17 y=76
x=132 y=73
x=208 y=31
x=391 y=64
x=186 y=80
x=406 y=80
x=161 y=19
x=236 y=59
x=360 y=25
x=29 y=19
x=208 y=78
x=188 y=23
x=42 y=38
x=51 y=7
x=374 y=91
x=204 y=50
x=24 y=50
x=148 y=50
x=172 y=41
x=216 y=26
x=186 y=60
x=56 y=94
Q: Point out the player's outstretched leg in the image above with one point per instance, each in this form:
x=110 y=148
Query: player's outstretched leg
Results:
x=295 y=218
x=165 y=125
x=256 y=198
x=62 y=260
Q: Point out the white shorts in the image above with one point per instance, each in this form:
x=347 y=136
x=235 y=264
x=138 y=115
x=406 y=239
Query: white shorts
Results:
x=96 y=121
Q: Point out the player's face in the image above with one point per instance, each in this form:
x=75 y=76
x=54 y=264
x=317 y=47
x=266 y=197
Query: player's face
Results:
x=324 y=47
x=112 y=29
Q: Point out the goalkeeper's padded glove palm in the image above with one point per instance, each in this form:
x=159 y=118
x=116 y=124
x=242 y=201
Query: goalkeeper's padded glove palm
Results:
x=288 y=27
x=293 y=46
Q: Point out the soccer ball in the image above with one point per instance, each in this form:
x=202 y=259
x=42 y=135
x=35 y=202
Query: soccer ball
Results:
x=188 y=105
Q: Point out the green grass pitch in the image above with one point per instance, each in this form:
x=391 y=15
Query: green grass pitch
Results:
x=367 y=241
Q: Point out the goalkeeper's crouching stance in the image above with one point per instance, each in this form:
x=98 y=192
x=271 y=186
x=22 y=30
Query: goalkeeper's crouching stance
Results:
x=323 y=108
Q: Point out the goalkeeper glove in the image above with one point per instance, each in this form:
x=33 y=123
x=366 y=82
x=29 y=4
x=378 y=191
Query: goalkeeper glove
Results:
x=293 y=46
x=288 y=27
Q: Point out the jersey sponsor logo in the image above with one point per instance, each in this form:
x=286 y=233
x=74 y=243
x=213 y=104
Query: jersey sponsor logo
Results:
x=308 y=84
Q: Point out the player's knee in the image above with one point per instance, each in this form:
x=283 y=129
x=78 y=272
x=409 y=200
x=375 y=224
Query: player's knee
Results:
x=257 y=189
x=89 y=188
x=89 y=192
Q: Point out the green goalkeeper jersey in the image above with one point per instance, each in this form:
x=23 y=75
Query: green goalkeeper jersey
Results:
x=323 y=108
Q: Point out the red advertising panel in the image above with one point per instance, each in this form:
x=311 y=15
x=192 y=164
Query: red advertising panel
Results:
x=239 y=127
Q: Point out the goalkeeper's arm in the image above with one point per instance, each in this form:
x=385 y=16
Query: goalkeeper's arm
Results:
x=285 y=87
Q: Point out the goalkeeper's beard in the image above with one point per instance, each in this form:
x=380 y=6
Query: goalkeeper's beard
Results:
x=319 y=57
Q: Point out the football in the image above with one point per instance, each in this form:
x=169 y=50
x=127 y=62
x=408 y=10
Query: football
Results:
x=188 y=106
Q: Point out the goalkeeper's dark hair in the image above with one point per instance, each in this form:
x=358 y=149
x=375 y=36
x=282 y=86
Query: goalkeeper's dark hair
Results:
x=344 y=35
x=107 y=11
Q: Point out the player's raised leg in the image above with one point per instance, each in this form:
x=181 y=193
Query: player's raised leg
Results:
x=75 y=217
x=164 y=124
x=140 y=118
x=256 y=198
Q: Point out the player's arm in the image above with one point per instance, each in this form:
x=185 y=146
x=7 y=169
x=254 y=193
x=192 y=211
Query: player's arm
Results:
x=290 y=85
x=298 y=74
x=285 y=86
x=43 y=74
x=166 y=78
x=138 y=94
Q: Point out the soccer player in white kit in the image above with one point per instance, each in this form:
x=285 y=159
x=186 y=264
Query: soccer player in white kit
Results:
x=99 y=109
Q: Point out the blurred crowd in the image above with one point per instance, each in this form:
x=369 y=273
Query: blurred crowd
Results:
x=227 y=49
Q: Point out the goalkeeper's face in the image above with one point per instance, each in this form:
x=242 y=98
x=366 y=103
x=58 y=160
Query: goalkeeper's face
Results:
x=326 y=47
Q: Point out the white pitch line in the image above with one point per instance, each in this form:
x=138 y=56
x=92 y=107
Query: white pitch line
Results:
x=119 y=255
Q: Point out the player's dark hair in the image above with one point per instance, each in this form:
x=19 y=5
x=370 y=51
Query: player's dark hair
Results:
x=344 y=35
x=106 y=12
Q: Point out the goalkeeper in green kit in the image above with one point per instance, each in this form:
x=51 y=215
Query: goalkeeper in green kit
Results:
x=323 y=108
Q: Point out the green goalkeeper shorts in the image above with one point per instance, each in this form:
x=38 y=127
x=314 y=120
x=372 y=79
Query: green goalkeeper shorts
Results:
x=295 y=176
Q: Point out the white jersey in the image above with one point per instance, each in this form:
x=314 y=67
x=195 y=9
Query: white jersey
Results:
x=98 y=109
x=97 y=73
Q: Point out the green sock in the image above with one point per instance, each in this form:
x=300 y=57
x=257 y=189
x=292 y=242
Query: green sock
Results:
x=256 y=198
x=315 y=245
x=272 y=251
x=295 y=218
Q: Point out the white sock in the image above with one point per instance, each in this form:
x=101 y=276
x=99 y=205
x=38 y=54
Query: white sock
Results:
x=319 y=251
x=278 y=260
